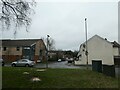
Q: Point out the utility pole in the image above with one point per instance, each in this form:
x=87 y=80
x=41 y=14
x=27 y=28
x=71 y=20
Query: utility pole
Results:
x=86 y=52
x=47 y=50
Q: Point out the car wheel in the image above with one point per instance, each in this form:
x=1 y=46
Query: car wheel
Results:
x=27 y=65
x=13 y=65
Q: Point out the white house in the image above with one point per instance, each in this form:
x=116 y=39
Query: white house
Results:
x=98 y=49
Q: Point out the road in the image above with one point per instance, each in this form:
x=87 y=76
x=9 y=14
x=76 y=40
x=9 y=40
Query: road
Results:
x=63 y=64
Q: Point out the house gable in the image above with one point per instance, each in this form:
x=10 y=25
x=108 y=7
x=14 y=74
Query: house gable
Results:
x=98 y=49
x=98 y=37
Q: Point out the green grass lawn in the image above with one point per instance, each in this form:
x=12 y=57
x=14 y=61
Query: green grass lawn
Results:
x=13 y=77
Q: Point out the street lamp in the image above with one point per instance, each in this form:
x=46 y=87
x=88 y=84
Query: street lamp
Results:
x=86 y=52
x=47 y=50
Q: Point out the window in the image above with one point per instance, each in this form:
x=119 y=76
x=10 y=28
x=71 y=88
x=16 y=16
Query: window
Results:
x=24 y=60
x=4 y=48
x=18 y=48
x=80 y=55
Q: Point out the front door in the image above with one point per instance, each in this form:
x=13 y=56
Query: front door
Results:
x=117 y=60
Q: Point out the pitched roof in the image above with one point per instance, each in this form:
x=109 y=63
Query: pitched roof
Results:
x=20 y=42
x=100 y=38
x=94 y=37
x=115 y=44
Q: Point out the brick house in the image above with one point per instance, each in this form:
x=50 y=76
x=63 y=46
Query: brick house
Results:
x=60 y=54
x=55 y=55
x=33 y=49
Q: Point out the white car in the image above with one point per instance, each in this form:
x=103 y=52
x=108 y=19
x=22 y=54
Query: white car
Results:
x=59 y=60
x=23 y=62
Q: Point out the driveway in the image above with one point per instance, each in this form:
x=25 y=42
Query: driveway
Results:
x=117 y=71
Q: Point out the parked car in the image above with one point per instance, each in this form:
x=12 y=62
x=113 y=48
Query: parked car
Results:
x=70 y=60
x=39 y=61
x=23 y=62
x=2 y=61
x=59 y=60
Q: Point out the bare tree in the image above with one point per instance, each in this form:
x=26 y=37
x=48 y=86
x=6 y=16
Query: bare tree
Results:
x=51 y=43
x=16 y=12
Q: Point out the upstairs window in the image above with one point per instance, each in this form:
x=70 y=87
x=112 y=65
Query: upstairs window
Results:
x=18 y=48
x=84 y=46
x=80 y=55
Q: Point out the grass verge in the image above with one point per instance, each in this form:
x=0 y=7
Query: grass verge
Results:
x=13 y=77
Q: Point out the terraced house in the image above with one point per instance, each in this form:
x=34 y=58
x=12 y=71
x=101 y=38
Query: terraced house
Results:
x=33 y=49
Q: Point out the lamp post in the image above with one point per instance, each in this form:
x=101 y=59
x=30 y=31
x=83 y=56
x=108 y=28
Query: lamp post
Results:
x=86 y=52
x=47 y=50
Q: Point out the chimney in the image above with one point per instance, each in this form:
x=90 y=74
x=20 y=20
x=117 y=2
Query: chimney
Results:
x=106 y=39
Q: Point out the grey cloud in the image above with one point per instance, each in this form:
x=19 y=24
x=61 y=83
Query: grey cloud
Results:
x=64 y=22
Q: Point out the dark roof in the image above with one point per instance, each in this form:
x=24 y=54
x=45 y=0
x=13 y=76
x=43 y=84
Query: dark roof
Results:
x=59 y=51
x=20 y=42
x=117 y=57
x=115 y=44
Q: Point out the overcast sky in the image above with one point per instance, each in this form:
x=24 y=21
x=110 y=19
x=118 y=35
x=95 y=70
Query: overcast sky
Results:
x=64 y=22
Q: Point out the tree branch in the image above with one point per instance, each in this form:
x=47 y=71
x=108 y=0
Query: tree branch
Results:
x=16 y=11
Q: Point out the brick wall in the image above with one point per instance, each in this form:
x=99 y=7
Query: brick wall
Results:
x=11 y=58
